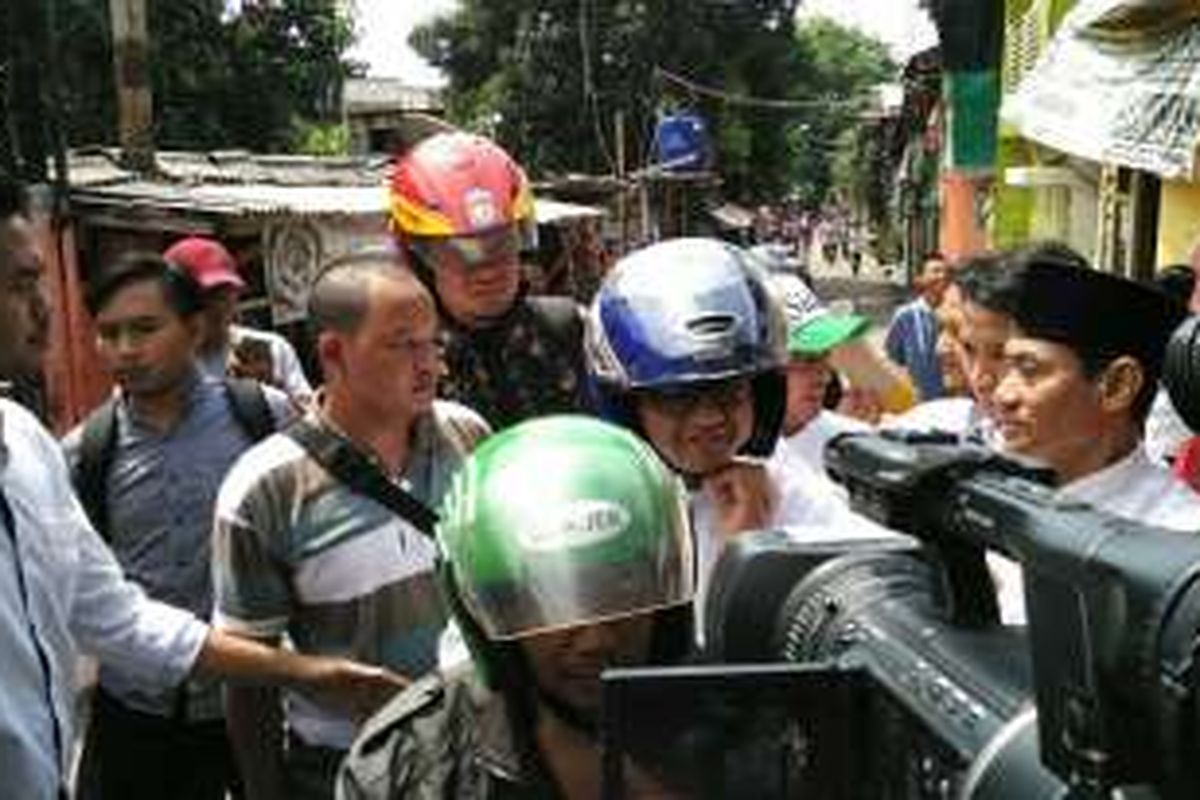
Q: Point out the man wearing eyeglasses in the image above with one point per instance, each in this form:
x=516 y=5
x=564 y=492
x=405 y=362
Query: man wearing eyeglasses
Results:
x=462 y=212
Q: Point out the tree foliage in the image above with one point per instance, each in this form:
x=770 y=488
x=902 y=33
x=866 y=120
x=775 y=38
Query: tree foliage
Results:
x=249 y=79
x=547 y=78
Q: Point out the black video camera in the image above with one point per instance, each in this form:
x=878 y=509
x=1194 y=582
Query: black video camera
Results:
x=1099 y=693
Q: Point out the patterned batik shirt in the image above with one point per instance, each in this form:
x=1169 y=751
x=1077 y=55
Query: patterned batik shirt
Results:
x=527 y=364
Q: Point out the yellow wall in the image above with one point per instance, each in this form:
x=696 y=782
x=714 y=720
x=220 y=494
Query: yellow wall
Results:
x=1179 y=221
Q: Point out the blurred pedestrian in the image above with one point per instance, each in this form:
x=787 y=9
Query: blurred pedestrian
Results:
x=912 y=336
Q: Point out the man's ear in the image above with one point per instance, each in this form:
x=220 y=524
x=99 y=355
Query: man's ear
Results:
x=197 y=328
x=330 y=352
x=1120 y=383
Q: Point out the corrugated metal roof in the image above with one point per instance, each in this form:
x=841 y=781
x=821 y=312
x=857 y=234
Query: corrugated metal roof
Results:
x=240 y=200
x=251 y=200
x=99 y=167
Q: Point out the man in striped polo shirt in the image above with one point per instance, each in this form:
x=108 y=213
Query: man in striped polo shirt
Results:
x=297 y=552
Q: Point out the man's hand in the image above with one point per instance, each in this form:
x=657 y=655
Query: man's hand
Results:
x=743 y=496
x=348 y=686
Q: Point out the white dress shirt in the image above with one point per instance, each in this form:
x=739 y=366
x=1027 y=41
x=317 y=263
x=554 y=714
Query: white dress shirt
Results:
x=62 y=591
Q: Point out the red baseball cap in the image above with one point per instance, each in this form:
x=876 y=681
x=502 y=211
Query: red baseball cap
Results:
x=207 y=261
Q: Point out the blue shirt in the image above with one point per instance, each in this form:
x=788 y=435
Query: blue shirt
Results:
x=162 y=488
x=73 y=596
x=912 y=343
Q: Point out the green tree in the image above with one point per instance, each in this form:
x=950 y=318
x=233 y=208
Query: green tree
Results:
x=252 y=79
x=841 y=67
x=547 y=78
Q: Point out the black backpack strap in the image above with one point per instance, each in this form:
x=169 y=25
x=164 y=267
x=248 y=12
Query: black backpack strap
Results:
x=97 y=445
x=561 y=319
x=341 y=460
x=249 y=406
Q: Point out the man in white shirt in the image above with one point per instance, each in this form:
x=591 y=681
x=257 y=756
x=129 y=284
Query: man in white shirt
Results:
x=686 y=344
x=248 y=352
x=985 y=289
x=1080 y=373
x=61 y=589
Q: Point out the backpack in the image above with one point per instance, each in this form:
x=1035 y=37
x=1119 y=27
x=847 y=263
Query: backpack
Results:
x=98 y=444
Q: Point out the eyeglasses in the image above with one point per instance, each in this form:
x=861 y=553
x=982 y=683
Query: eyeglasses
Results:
x=470 y=252
x=682 y=400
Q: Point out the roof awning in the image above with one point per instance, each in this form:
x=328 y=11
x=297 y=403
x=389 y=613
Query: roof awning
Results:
x=1119 y=83
x=731 y=215
x=553 y=212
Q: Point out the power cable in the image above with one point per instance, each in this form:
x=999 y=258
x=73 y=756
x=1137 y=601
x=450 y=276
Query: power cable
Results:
x=752 y=101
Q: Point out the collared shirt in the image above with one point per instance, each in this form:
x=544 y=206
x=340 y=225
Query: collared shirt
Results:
x=75 y=596
x=912 y=343
x=1166 y=432
x=296 y=552
x=455 y=739
x=1136 y=489
x=162 y=488
x=1132 y=488
x=522 y=366
x=287 y=374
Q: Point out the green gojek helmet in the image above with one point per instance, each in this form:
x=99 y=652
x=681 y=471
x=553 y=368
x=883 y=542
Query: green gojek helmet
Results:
x=559 y=522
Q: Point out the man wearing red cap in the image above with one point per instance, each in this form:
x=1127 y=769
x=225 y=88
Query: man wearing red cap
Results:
x=228 y=347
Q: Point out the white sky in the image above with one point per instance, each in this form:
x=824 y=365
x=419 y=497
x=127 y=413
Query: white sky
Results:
x=384 y=25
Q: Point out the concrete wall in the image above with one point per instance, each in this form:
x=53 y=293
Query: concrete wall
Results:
x=1178 y=222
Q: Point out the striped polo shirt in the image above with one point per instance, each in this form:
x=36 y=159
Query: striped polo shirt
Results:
x=296 y=552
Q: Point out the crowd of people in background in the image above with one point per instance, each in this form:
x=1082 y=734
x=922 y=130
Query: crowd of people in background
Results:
x=491 y=495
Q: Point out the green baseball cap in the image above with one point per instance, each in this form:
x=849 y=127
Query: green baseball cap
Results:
x=814 y=328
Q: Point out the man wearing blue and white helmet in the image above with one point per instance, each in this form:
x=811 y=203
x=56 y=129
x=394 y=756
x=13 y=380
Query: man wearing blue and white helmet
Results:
x=687 y=345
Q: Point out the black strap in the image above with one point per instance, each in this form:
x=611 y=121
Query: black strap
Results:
x=97 y=446
x=341 y=460
x=249 y=406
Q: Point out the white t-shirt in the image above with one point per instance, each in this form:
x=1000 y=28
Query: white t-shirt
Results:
x=286 y=372
x=1165 y=430
x=807 y=509
x=807 y=445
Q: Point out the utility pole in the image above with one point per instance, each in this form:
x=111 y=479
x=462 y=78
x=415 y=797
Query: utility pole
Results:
x=131 y=62
x=22 y=23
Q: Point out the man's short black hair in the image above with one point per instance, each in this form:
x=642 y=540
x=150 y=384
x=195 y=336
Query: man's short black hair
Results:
x=339 y=297
x=988 y=280
x=182 y=293
x=1177 y=280
x=13 y=200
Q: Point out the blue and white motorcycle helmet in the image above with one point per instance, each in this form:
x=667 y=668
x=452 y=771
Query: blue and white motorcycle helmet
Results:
x=684 y=312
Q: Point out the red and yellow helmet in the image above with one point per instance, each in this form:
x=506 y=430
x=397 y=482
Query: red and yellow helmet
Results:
x=462 y=188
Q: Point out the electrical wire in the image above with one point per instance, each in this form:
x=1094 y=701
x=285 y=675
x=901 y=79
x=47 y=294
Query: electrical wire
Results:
x=752 y=101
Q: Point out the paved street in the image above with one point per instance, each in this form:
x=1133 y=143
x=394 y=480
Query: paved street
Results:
x=876 y=292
